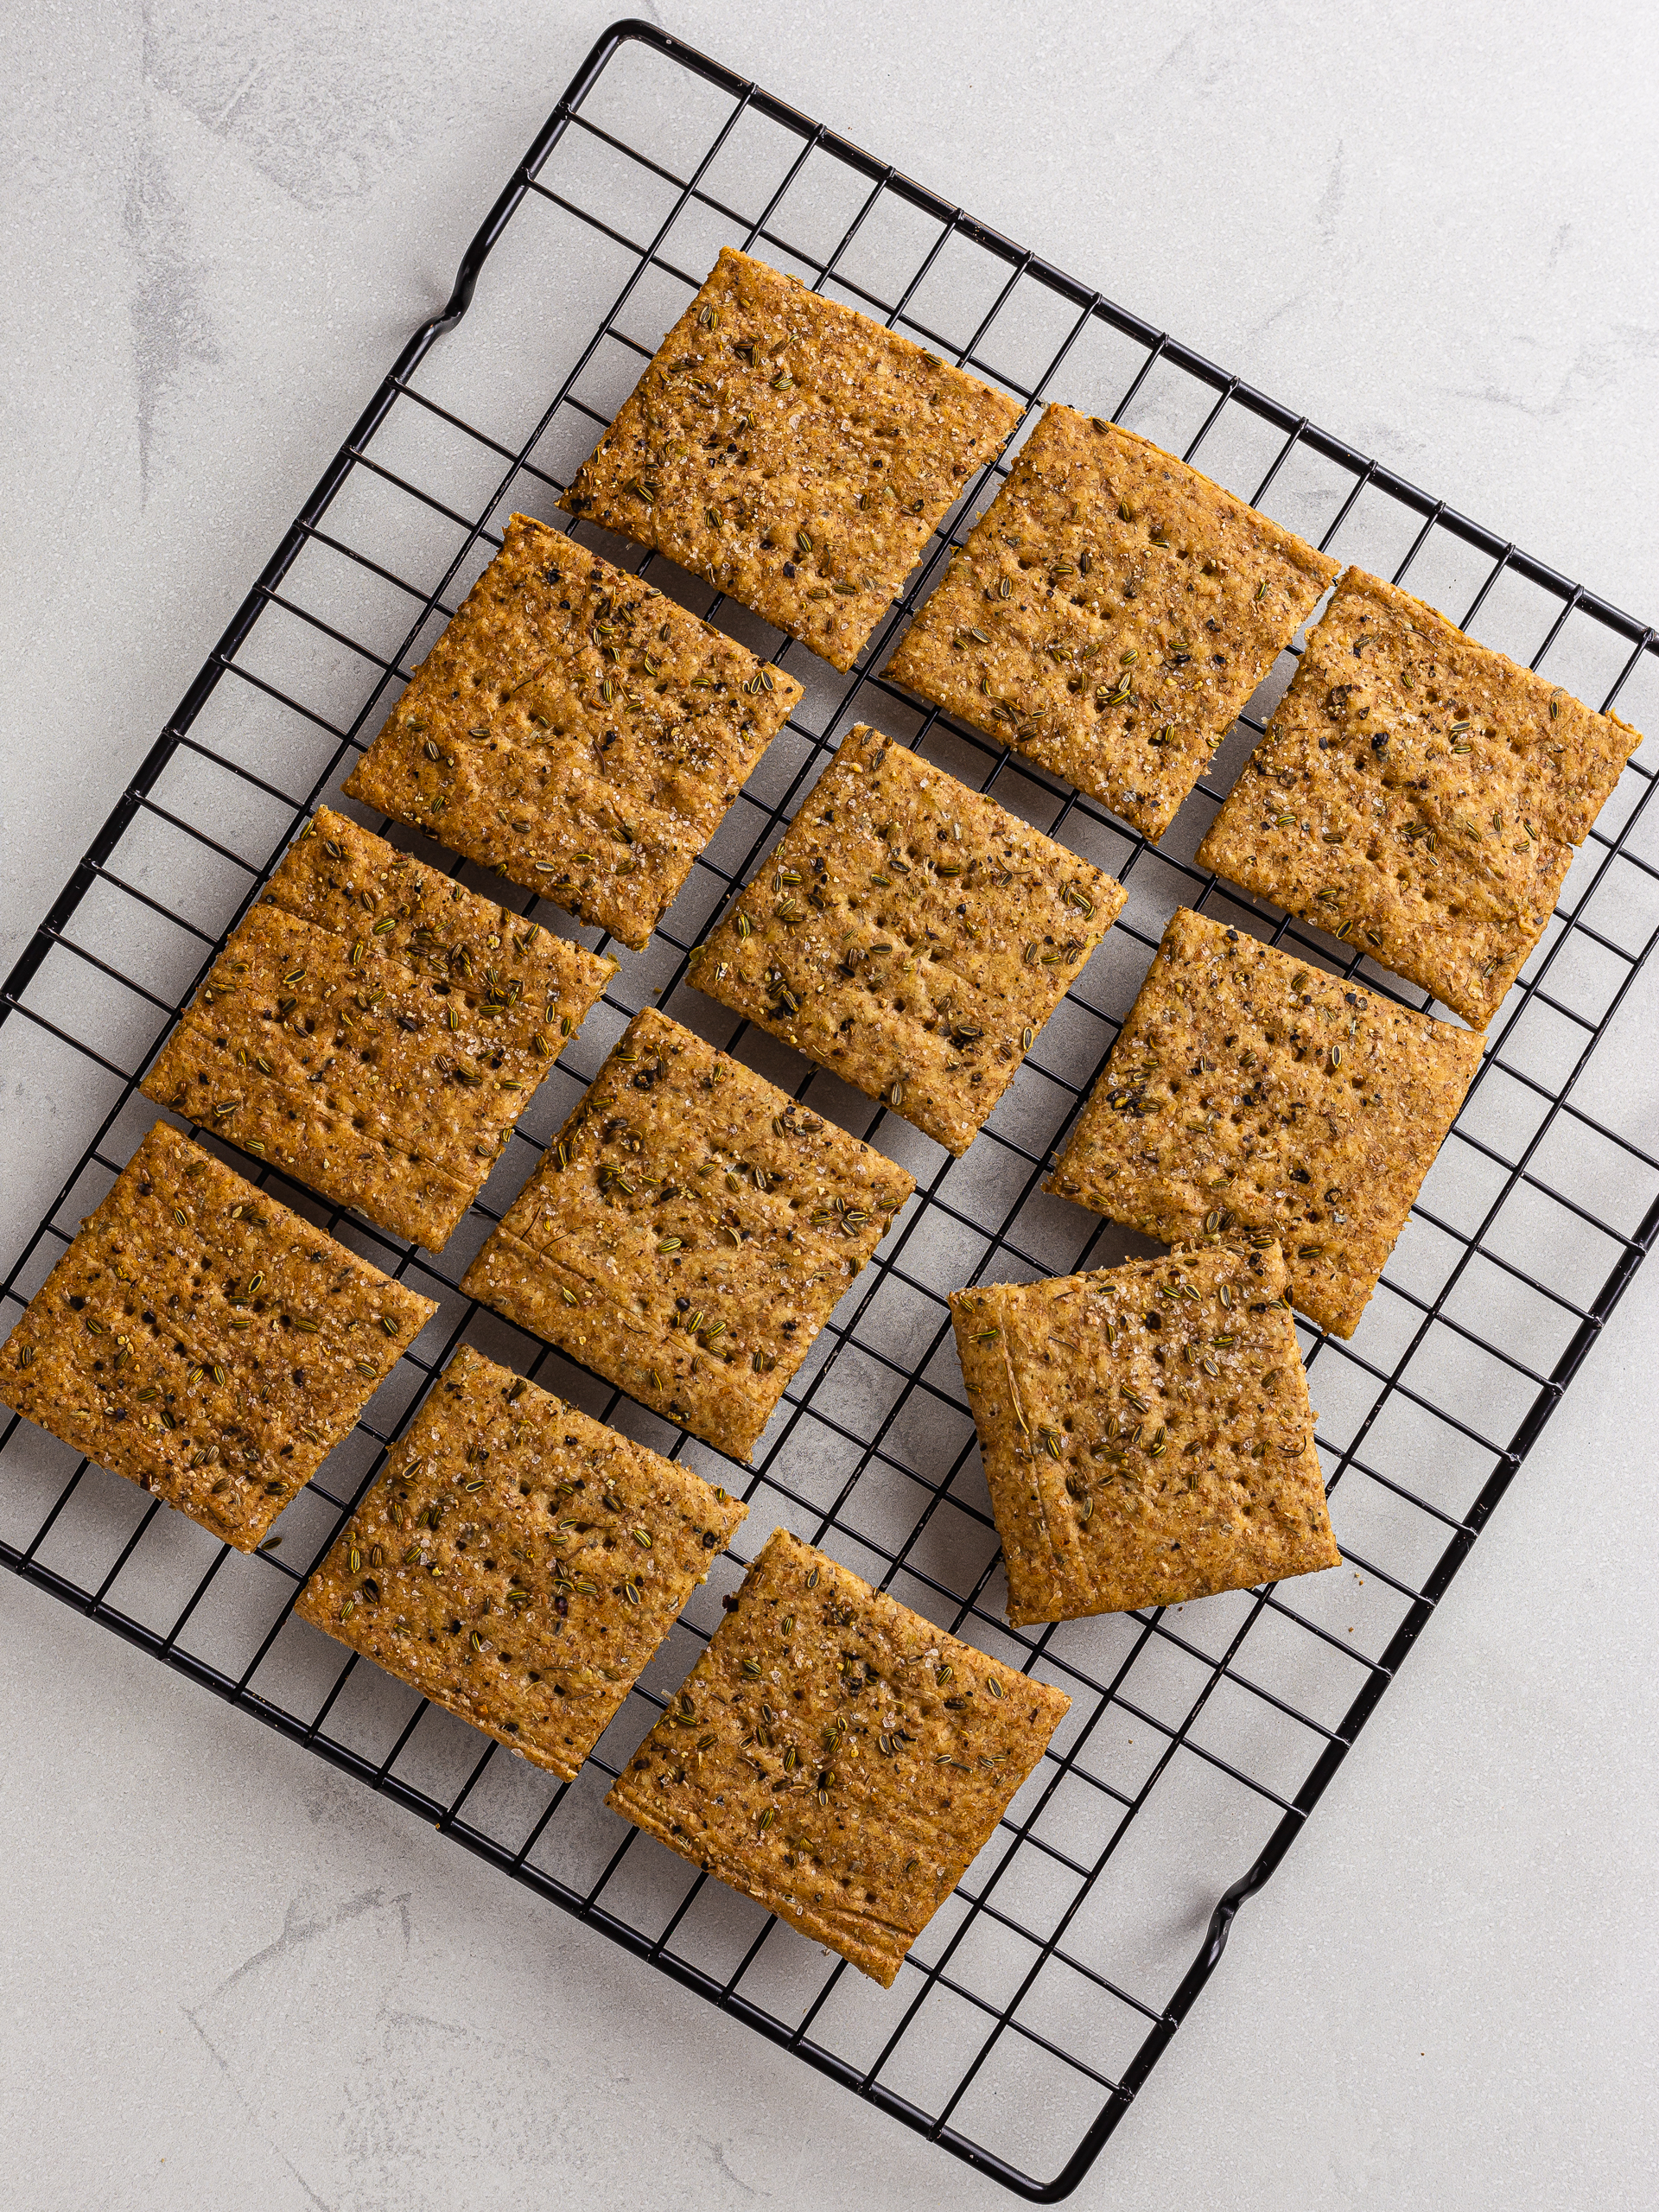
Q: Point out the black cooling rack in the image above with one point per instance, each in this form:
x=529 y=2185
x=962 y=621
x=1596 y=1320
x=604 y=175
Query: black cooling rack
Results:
x=1200 y=1739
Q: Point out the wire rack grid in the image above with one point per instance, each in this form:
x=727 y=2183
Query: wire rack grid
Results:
x=1199 y=1739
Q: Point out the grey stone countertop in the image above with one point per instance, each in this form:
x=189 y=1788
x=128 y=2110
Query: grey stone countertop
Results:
x=232 y=1977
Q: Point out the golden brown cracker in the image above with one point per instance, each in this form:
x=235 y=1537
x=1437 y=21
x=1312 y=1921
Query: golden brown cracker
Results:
x=205 y=1341
x=1110 y=614
x=375 y=1030
x=792 y=453
x=910 y=935
x=837 y=1757
x=1250 y=1095
x=1419 y=795
x=517 y=1562
x=690 y=1233
x=577 y=730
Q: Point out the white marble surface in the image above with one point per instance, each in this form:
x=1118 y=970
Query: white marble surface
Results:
x=231 y=1978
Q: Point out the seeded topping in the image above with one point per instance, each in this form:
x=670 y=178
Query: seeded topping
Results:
x=1420 y=796
x=205 y=1341
x=688 y=1233
x=375 y=1030
x=837 y=1757
x=1111 y=614
x=792 y=453
x=577 y=730
x=1251 y=1097
x=910 y=935
x=518 y=1562
x=1145 y=1432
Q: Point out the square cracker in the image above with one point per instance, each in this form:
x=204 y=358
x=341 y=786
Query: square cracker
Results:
x=1145 y=1432
x=517 y=1562
x=690 y=1233
x=1250 y=1095
x=910 y=935
x=205 y=1341
x=837 y=1757
x=1419 y=795
x=792 y=453
x=576 y=730
x=1110 y=614
x=374 y=1030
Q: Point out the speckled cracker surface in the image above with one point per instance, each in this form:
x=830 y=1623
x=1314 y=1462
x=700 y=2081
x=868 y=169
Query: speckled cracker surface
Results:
x=1419 y=795
x=1145 y=1432
x=205 y=1341
x=375 y=1031
x=577 y=730
x=791 y=452
x=518 y=1562
x=1250 y=1095
x=1110 y=614
x=690 y=1233
x=910 y=935
x=836 y=1757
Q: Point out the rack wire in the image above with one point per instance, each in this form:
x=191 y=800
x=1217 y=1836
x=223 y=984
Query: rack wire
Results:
x=1035 y=2006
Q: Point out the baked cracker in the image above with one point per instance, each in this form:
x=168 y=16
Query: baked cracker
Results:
x=518 y=1562
x=1145 y=1432
x=375 y=1030
x=837 y=1757
x=688 y=1233
x=792 y=453
x=1251 y=1096
x=204 y=1341
x=578 y=731
x=1110 y=614
x=910 y=935
x=1419 y=795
